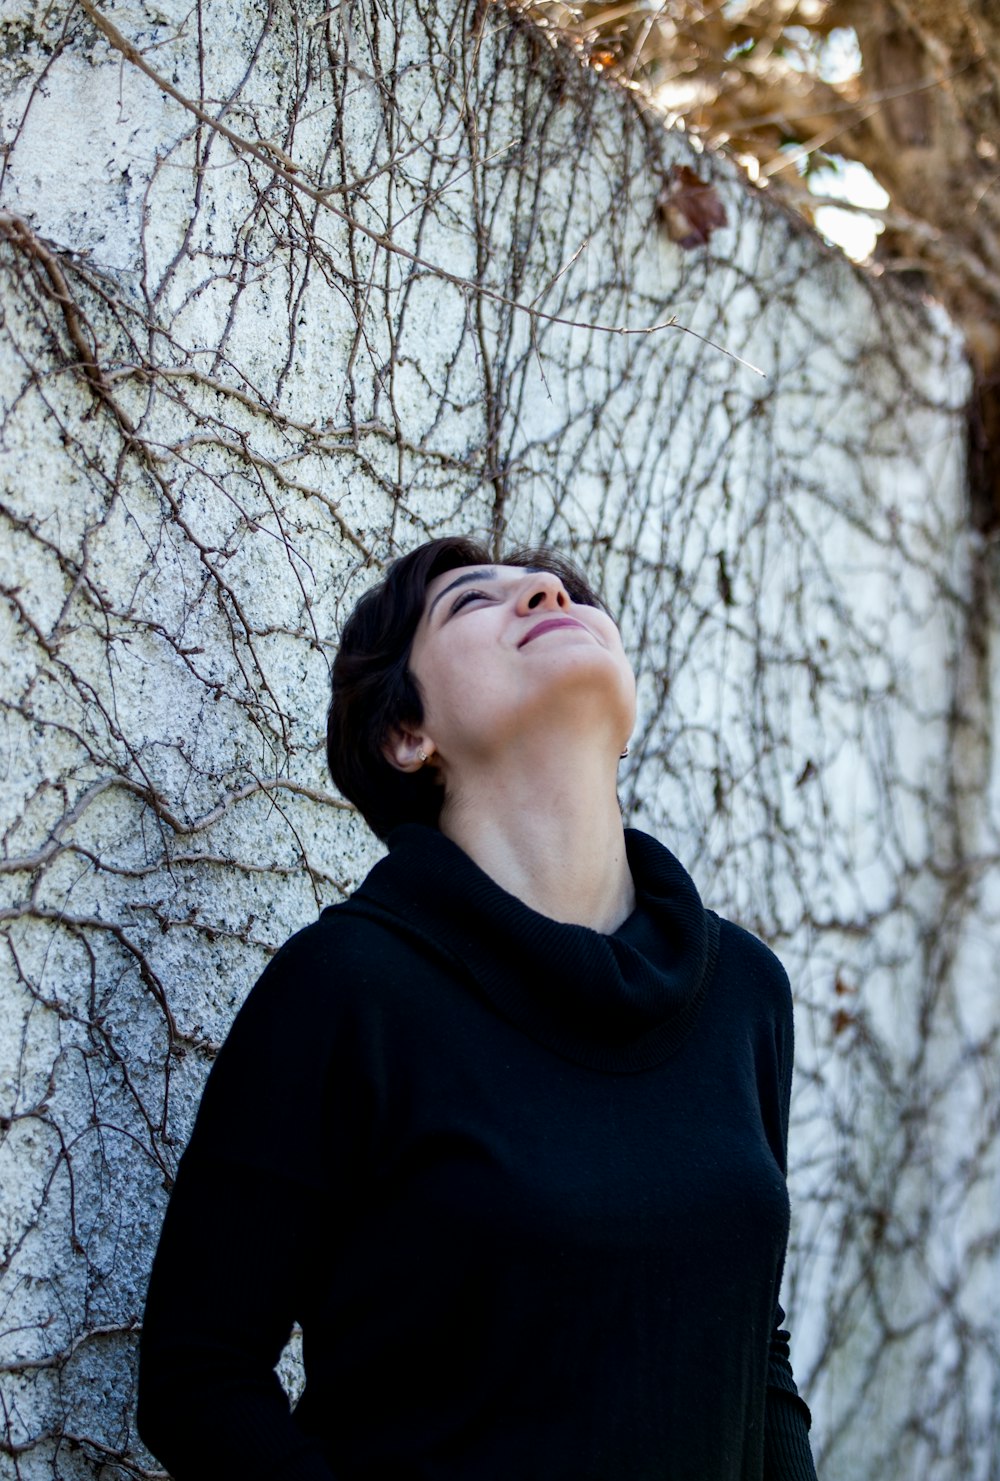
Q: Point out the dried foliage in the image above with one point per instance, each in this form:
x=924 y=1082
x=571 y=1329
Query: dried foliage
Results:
x=343 y=279
x=921 y=110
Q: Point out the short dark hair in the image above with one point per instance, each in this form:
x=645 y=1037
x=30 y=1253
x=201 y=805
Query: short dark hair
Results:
x=374 y=692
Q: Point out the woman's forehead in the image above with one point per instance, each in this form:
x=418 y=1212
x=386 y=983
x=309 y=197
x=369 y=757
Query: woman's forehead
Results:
x=477 y=573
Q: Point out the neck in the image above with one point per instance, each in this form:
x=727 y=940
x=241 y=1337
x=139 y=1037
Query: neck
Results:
x=547 y=828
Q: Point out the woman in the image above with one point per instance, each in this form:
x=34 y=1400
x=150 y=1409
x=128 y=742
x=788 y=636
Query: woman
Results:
x=505 y=1131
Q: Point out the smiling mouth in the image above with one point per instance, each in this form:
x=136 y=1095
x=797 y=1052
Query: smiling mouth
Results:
x=547 y=626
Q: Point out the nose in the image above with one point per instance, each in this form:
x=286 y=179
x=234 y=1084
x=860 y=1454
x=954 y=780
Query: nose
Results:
x=542 y=590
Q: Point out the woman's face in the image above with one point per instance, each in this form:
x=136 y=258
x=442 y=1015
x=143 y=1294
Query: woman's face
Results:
x=502 y=652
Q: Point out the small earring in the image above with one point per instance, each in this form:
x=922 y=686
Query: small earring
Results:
x=624 y=753
x=421 y=756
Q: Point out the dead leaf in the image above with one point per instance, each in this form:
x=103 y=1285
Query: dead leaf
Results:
x=690 y=208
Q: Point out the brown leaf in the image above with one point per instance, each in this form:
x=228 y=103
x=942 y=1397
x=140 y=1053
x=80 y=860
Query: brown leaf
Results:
x=807 y=773
x=690 y=209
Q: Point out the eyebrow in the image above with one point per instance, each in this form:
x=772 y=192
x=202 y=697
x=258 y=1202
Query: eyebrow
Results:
x=487 y=574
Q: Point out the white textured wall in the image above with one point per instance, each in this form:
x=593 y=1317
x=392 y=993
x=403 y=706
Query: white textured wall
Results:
x=229 y=395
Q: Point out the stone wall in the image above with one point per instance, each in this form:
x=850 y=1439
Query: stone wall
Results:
x=288 y=289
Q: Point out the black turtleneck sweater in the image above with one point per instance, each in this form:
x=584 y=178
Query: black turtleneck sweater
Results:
x=521 y=1184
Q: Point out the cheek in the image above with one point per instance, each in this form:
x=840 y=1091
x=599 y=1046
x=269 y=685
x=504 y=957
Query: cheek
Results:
x=627 y=679
x=451 y=685
x=632 y=698
x=618 y=648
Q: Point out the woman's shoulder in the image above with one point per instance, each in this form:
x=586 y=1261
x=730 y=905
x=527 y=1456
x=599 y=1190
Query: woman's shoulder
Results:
x=302 y=1027
x=752 y=966
x=751 y=949
x=322 y=965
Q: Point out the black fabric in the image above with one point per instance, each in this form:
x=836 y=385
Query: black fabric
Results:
x=521 y=1184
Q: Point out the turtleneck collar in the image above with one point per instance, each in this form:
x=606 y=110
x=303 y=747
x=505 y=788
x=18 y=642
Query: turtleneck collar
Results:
x=619 y=1003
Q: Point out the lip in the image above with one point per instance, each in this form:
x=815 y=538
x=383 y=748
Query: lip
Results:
x=547 y=624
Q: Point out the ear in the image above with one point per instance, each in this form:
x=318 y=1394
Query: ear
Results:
x=408 y=750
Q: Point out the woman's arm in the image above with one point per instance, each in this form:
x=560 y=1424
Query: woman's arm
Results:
x=238 y=1260
x=787 y=1452
x=221 y=1302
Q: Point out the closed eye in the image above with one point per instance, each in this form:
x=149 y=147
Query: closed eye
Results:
x=466 y=597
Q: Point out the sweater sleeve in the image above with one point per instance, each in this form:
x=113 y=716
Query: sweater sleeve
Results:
x=240 y=1240
x=219 y=1311
x=787 y=1452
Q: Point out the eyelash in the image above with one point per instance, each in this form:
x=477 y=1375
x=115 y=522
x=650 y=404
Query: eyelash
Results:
x=470 y=596
x=467 y=596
